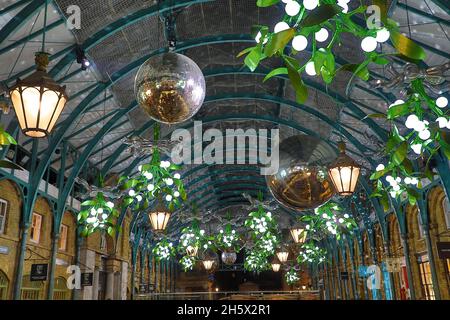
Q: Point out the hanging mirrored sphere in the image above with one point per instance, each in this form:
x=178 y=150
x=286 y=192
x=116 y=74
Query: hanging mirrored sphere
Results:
x=170 y=88
x=302 y=181
x=229 y=258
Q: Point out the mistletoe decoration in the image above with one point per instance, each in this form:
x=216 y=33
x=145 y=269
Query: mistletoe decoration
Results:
x=291 y=276
x=311 y=253
x=310 y=23
x=427 y=122
x=157 y=181
x=97 y=214
x=227 y=239
x=164 y=250
x=187 y=263
x=329 y=220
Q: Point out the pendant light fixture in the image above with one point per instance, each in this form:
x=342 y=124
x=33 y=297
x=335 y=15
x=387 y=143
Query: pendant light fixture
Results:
x=38 y=100
x=344 y=172
x=298 y=234
x=159 y=217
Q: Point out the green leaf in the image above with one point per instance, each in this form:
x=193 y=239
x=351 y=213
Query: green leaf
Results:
x=278 y=42
x=380 y=60
x=245 y=51
x=10 y=165
x=361 y=72
x=253 y=58
x=321 y=14
x=375 y=115
x=296 y=80
x=266 y=3
x=400 y=154
x=378 y=174
x=276 y=72
x=407 y=47
x=398 y=111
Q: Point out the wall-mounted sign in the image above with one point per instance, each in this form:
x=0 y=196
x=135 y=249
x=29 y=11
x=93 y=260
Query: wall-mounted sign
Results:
x=87 y=279
x=38 y=272
x=4 y=250
x=443 y=250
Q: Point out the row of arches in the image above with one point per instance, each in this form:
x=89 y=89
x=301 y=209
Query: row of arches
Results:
x=404 y=261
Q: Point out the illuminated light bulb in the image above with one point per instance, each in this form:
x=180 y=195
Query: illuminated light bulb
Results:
x=442 y=102
x=383 y=35
x=369 y=44
x=299 y=43
x=169 y=197
x=443 y=122
x=417 y=148
x=380 y=167
x=281 y=26
x=150 y=187
x=322 y=35
x=425 y=134
x=310 y=4
x=292 y=8
x=411 y=121
x=419 y=126
x=310 y=68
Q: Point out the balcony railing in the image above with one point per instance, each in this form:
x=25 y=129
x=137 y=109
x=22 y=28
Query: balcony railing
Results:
x=233 y=295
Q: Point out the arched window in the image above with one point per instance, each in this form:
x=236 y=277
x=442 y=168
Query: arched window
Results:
x=3 y=286
x=446 y=209
x=31 y=290
x=60 y=291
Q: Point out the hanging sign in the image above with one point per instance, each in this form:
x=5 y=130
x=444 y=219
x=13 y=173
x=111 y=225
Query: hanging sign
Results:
x=87 y=279
x=38 y=272
x=443 y=249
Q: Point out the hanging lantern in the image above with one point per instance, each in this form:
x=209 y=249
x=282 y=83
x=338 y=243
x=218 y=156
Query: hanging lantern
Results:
x=170 y=88
x=344 y=172
x=276 y=267
x=283 y=255
x=159 y=218
x=192 y=251
x=298 y=234
x=209 y=259
x=38 y=100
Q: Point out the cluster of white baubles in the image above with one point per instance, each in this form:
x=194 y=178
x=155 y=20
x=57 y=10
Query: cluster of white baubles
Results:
x=269 y=243
x=228 y=238
x=260 y=224
x=187 y=239
x=291 y=276
x=187 y=262
x=369 y=44
x=420 y=126
x=395 y=183
x=97 y=216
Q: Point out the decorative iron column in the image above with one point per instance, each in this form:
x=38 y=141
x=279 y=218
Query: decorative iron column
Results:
x=52 y=266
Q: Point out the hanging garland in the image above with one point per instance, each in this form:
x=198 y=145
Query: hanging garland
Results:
x=312 y=21
x=427 y=121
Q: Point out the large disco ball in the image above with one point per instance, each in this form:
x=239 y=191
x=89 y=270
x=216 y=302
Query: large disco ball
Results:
x=229 y=258
x=302 y=181
x=170 y=88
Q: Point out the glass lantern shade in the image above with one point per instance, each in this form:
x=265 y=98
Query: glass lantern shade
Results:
x=283 y=256
x=38 y=100
x=276 y=267
x=192 y=251
x=159 y=220
x=299 y=235
x=208 y=264
x=344 y=173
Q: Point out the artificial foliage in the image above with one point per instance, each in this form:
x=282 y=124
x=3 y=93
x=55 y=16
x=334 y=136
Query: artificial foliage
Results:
x=157 y=180
x=191 y=237
x=6 y=140
x=291 y=276
x=319 y=26
x=311 y=252
x=425 y=122
x=227 y=239
x=164 y=250
x=98 y=213
x=263 y=234
x=187 y=263
x=329 y=219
